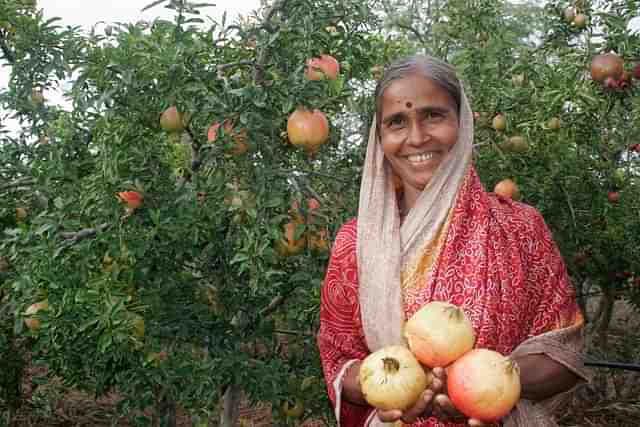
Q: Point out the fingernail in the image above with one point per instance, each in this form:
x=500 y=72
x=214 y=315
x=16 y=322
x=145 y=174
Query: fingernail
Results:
x=428 y=395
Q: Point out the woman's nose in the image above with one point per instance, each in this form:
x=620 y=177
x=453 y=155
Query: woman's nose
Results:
x=417 y=133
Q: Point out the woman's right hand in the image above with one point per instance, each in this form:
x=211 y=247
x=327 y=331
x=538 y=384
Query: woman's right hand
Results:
x=423 y=407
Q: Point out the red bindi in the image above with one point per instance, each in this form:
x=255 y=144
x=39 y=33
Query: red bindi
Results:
x=409 y=105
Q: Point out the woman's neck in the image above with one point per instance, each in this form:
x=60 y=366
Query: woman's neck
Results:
x=408 y=201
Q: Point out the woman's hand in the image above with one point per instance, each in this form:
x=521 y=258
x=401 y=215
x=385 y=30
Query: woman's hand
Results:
x=423 y=408
x=444 y=409
x=433 y=402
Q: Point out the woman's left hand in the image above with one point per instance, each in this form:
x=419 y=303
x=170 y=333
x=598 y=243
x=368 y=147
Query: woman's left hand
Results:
x=445 y=410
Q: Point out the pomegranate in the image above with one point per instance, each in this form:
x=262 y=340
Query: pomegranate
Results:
x=613 y=197
x=500 y=122
x=507 y=188
x=516 y=144
x=293 y=411
x=37 y=98
x=288 y=245
x=483 y=384
x=318 y=241
x=377 y=71
x=439 y=333
x=569 y=14
x=323 y=67
x=518 y=80
x=297 y=214
x=580 y=21
x=580 y=258
x=156 y=358
x=239 y=137
x=138 y=326
x=636 y=71
x=133 y=199
x=626 y=80
x=308 y=129
x=606 y=65
x=611 y=83
x=171 y=120
x=32 y=322
x=4 y=264
x=392 y=378
x=21 y=214
x=554 y=123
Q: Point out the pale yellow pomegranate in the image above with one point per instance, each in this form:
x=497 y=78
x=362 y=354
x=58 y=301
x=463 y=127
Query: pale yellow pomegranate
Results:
x=439 y=333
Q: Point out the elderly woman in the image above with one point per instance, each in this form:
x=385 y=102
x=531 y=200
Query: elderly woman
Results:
x=442 y=237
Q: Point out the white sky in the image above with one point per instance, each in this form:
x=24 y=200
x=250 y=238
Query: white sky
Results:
x=86 y=13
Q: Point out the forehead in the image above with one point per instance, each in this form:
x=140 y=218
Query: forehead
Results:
x=415 y=91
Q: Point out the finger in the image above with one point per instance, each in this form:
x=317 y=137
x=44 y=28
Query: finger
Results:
x=439 y=372
x=420 y=409
x=446 y=406
x=390 y=415
x=436 y=385
x=474 y=422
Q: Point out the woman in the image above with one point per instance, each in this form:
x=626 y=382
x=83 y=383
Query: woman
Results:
x=442 y=237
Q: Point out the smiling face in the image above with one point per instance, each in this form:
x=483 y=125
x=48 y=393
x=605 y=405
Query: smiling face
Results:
x=419 y=125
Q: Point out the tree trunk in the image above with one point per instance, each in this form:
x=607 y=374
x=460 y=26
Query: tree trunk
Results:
x=164 y=414
x=231 y=406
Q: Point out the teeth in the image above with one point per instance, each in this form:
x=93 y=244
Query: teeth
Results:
x=417 y=158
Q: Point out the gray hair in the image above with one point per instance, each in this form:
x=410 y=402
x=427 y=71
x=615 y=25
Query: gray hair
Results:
x=426 y=66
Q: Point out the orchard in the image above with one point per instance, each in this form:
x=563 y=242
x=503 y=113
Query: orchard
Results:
x=164 y=233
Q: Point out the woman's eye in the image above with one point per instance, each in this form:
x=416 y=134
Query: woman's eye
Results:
x=396 y=122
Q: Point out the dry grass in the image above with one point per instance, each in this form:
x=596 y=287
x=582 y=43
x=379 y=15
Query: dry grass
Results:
x=612 y=399
x=77 y=410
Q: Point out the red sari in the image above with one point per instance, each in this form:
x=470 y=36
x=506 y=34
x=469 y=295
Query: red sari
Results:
x=495 y=258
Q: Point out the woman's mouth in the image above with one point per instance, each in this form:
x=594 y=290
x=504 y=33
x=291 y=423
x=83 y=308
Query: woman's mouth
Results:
x=419 y=158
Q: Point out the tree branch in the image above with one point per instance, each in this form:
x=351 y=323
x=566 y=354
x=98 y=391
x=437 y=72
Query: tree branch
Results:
x=273 y=305
x=76 y=236
x=223 y=67
x=259 y=75
x=412 y=30
x=571 y=209
x=17 y=183
x=8 y=54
